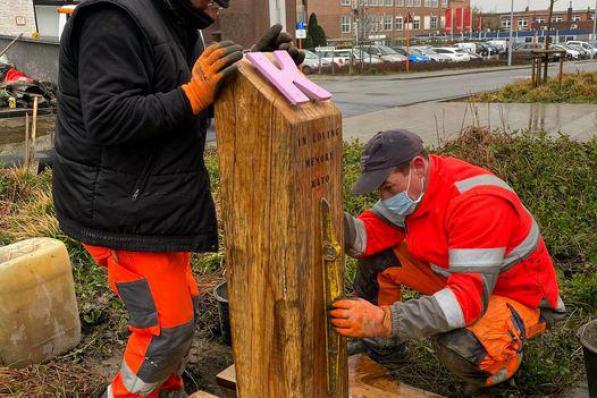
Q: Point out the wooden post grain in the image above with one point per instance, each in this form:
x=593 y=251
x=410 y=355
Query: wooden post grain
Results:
x=276 y=162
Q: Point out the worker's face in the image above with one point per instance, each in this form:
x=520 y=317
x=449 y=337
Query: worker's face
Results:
x=398 y=181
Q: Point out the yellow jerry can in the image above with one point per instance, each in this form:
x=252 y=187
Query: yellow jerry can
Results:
x=39 y=318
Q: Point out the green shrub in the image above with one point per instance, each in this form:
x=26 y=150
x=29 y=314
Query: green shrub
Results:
x=580 y=88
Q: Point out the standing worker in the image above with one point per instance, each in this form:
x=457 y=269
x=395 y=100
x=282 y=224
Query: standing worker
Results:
x=130 y=183
x=461 y=237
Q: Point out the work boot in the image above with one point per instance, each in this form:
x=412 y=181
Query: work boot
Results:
x=355 y=347
x=387 y=352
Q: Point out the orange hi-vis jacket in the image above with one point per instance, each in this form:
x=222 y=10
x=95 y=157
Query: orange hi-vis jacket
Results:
x=473 y=230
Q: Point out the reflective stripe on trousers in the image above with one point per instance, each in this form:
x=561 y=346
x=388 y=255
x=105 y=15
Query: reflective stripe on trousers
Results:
x=160 y=296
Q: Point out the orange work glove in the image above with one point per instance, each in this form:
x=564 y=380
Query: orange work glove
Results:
x=213 y=68
x=355 y=317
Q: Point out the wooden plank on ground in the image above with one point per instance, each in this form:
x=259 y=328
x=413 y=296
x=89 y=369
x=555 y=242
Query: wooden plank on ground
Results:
x=276 y=162
x=203 y=394
x=366 y=379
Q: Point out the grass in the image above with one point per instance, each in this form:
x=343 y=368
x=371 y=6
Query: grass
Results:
x=580 y=88
x=556 y=179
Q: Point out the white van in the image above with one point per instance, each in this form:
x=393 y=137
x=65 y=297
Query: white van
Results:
x=468 y=47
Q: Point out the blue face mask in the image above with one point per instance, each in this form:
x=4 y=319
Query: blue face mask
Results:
x=401 y=203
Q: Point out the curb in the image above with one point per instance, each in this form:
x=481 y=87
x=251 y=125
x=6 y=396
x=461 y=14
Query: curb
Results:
x=429 y=75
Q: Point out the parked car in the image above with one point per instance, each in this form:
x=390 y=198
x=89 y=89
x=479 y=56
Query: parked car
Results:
x=501 y=45
x=435 y=56
x=483 y=49
x=335 y=57
x=524 y=50
x=474 y=56
x=385 y=53
x=586 y=46
x=455 y=54
x=413 y=56
x=361 y=56
x=584 y=52
x=571 y=54
x=468 y=47
x=313 y=62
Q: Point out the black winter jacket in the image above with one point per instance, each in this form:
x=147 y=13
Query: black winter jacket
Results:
x=129 y=171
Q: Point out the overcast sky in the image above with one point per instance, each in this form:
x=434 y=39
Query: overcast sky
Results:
x=519 y=5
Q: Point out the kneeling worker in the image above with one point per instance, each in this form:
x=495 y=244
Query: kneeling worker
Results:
x=461 y=237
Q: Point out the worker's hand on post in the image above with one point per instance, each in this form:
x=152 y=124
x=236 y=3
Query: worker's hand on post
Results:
x=355 y=317
x=212 y=69
x=274 y=39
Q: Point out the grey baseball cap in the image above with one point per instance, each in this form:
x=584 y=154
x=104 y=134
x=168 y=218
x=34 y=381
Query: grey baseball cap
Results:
x=383 y=152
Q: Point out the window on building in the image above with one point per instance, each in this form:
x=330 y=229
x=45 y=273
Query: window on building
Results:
x=399 y=3
x=408 y=3
x=443 y=3
x=417 y=3
x=539 y=19
x=523 y=22
x=557 y=18
x=345 y=2
x=373 y=3
x=427 y=3
x=387 y=22
x=389 y=3
x=416 y=23
x=506 y=22
x=345 y=23
x=576 y=18
x=399 y=23
x=434 y=23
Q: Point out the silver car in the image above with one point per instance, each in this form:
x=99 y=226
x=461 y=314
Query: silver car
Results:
x=313 y=63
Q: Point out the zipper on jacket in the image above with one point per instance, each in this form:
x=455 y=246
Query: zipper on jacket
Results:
x=143 y=179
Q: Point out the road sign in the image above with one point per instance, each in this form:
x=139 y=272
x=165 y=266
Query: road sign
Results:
x=301 y=34
x=300 y=26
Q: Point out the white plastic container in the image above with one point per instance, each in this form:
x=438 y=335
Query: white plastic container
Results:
x=39 y=318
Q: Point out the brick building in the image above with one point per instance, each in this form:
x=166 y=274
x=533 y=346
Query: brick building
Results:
x=245 y=21
x=533 y=20
x=381 y=19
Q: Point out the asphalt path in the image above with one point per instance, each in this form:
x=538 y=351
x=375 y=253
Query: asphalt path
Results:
x=365 y=94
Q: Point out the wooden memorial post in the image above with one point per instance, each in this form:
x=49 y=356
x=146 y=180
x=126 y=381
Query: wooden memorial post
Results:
x=277 y=161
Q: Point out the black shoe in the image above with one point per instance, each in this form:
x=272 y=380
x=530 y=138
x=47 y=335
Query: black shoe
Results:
x=387 y=352
x=355 y=347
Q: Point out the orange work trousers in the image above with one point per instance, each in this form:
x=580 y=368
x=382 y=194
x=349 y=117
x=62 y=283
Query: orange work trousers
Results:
x=485 y=353
x=161 y=297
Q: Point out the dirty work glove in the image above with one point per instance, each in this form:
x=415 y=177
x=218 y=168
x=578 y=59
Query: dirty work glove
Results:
x=212 y=69
x=355 y=317
x=274 y=39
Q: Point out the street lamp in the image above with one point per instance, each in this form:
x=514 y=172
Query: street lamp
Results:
x=511 y=27
x=595 y=22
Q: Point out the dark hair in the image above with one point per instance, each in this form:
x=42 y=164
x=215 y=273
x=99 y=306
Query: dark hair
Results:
x=405 y=166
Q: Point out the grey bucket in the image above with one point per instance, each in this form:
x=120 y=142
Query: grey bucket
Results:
x=588 y=338
x=221 y=294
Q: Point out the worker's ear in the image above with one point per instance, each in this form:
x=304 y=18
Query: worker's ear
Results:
x=418 y=166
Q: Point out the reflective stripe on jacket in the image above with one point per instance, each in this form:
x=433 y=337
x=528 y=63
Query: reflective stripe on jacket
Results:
x=471 y=228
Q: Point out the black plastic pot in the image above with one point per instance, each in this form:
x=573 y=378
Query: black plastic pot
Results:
x=221 y=295
x=588 y=338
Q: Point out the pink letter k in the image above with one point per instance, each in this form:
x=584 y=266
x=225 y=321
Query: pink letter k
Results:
x=287 y=78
